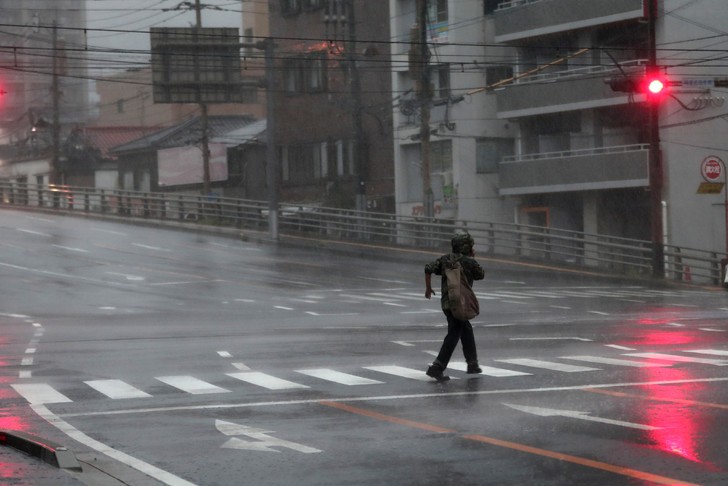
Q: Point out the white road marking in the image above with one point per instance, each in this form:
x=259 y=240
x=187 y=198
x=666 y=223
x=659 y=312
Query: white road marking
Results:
x=551 y=339
x=152 y=471
x=241 y=366
x=438 y=394
x=681 y=359
x=714 y=352
x=38 y=393
x=31 y=232
x=401 y=371
x=487 y=370
x=617 y=362
x=191 y=385
x=393 y=304
x=548 y=365
x=338 y=377
x=262 y=441
x=26 y=362
x=552 y=412
x=116 y=389
x=224 y=354
x=135 y=278
x=282 y=308
x=25 y=374
x=265 y=381
x=599 y=313
x=30 y=351
x=70 y=248
x=148 y=247
x=617 y=346
x=710 y=329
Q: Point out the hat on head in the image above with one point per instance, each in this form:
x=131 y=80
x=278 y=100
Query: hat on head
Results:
x=462 y=243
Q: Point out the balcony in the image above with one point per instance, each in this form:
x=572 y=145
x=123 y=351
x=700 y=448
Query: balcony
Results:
x=573 y=89
x=521 y=19
x=575 y=170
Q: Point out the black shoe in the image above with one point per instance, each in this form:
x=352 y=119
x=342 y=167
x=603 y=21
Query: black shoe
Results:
x=474 y=369
x=436 y=372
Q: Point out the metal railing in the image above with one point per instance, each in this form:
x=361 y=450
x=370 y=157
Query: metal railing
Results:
x=599 y=253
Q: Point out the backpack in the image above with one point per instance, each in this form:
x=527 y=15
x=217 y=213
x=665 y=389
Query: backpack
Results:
x=463 y=303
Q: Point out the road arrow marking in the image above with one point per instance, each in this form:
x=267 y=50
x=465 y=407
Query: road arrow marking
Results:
x=261 y=440
x=552 y=412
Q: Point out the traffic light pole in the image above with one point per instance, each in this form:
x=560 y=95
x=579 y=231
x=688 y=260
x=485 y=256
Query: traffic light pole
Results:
x=655 y=157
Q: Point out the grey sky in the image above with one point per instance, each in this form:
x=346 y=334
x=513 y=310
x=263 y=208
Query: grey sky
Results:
x=140 y=15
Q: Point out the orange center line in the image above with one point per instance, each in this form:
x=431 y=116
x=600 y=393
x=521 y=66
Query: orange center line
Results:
x=658 y=399
x=623 y=471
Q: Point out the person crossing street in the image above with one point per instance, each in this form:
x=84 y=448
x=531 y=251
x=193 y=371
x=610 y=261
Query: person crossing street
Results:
x=457 y=330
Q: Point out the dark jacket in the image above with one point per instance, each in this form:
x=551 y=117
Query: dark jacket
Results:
x=473 y=271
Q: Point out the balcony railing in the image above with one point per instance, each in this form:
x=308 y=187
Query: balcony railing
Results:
x=576 y=153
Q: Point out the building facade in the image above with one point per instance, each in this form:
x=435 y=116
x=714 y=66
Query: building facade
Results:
x=526 y=128
x=332 y=101
x=582 y=156
x=44 y=65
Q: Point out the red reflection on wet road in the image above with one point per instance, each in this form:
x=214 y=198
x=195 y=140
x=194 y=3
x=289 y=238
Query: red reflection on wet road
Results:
x=681 y=430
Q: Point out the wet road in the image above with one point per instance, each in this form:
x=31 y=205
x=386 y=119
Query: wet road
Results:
x=192 y=359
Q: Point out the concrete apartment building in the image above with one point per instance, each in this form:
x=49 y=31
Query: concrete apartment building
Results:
x=467 y=141
x=578 y=156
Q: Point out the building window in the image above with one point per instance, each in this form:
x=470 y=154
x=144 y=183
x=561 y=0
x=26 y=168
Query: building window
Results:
x=248 y=38
x=316 y=72
x=441 y=156
x=494 y=74
x=120 y=106
x=490 y=6
x=438 y=20
x=440 y=78
x=489 y=152
x=297 y=164
x=290 y=7
x=313 y=4
x=292 y=77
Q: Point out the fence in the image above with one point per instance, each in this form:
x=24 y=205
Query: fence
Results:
x=602 y=253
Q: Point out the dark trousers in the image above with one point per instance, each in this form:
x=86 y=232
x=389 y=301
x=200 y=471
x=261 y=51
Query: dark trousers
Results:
x=457 y=331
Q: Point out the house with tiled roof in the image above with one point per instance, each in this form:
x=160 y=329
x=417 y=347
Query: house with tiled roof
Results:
x=170 y=159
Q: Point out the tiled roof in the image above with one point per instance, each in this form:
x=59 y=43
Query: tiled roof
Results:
x=105 y=138
x=186 y=133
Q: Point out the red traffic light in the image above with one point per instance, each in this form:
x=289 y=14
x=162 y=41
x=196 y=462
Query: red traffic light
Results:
x=655 y=86
x=651 y=86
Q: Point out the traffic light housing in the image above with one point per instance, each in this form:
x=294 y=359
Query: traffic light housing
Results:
x=652 y=86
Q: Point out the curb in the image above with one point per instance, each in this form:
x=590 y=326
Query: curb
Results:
x=47 y=451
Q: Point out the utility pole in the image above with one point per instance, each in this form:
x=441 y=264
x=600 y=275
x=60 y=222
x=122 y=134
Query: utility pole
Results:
x=56 y=125
x=424 y=94
x=203 y=110
x=272 y=173
x=360 y=147
x=655 y=158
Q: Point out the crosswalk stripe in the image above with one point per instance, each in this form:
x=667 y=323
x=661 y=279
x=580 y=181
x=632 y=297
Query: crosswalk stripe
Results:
x=401 y=371
x=191 y=385
x=487 y=370
x=338 y=377
x=38 y=393
x=549 y=365
x=615 y=361
x=116 y=389
x=681 y=359
x=715 y=352
x=265 y=380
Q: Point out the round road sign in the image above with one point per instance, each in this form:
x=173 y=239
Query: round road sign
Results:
x=712 y=169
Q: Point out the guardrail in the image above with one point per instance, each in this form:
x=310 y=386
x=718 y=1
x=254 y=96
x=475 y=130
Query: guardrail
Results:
x=601 y=253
